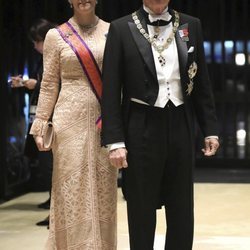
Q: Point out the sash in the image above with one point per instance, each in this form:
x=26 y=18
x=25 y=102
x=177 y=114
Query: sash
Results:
x=86 y=59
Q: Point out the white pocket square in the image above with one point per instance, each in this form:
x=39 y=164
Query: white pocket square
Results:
x=191 y=49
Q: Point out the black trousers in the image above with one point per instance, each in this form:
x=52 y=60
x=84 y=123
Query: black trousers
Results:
x=160 y=163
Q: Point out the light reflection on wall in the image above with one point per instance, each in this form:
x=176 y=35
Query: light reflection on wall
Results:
x=233 y=52
x=241 y=140
x=25 y=72
x=248 y=51
x=208 y=51
x=229 y=48
x=218 y=52
x=240 y=59
x=241 y=137
x=233 y=60
x=26 y=98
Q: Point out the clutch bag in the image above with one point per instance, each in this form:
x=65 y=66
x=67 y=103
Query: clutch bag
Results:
x=48 y=137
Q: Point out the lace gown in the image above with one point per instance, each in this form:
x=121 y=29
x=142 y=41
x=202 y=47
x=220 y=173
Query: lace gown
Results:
x=84 y=186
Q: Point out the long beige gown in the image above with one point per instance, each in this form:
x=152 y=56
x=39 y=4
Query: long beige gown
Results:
x=84 y=186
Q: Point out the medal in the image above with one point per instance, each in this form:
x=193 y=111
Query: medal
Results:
x=190 y=87
x=192 y=70
x=161 y=60
x=191 y=74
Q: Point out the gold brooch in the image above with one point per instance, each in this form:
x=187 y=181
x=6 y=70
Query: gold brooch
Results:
x=68 y=34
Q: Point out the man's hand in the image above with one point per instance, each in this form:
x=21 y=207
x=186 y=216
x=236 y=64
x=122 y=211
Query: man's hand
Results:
x=118 y=158
x=211 y=146
x=39 y=143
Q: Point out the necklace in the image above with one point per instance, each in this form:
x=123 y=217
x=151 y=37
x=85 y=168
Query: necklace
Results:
x=89 y=26
x=157 y=30
x=152 y=40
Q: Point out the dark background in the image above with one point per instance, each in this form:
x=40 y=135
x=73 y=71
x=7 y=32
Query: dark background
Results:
x=224 y=21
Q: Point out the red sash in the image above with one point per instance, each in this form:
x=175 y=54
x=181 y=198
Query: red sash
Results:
x=86 y=59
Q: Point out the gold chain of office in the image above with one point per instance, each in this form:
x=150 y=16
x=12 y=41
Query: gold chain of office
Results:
x=152 y=40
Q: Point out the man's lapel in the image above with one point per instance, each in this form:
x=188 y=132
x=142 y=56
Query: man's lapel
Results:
x=145 y=47
x=142 y=44
x=182 y=48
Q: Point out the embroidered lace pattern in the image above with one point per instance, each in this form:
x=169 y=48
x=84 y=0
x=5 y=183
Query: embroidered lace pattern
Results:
x=84 y=185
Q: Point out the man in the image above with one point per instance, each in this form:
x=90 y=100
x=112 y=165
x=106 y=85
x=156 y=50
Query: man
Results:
x=155 y=84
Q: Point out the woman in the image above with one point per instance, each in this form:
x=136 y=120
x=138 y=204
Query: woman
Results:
x=37 y=35
x=84 y=193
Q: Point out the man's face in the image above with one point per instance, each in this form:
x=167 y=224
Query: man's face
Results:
x=157 y=6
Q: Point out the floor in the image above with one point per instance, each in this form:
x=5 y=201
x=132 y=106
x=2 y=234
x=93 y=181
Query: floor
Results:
x=222 y=220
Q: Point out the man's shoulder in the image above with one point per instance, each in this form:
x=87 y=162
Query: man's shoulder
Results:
x=122 y=20
x=187 y=18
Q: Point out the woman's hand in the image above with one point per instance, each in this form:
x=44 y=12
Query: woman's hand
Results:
x=39 y=143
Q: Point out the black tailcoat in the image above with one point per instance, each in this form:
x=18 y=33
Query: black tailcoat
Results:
x=129 y=69
x=129 y=72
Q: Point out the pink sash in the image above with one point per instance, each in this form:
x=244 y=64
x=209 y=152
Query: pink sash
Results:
x=86 y=59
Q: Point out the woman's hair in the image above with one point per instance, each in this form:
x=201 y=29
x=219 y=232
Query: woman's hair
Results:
x=39 y=29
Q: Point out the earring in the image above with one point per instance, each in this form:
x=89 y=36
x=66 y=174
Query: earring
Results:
x=96 y=2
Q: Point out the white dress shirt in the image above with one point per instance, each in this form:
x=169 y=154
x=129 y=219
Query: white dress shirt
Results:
x=168 y=75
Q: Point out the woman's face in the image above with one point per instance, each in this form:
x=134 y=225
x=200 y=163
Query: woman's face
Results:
x=38 y=45
x=83 y=5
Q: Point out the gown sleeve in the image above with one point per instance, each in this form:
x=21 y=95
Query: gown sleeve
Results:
x=50 y=83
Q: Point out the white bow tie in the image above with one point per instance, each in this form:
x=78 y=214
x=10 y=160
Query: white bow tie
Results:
x=164 y=16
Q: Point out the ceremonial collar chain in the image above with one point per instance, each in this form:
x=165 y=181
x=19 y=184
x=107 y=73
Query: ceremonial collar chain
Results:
x=152 y=40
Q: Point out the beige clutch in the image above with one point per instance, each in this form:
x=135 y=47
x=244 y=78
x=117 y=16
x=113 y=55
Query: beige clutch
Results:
x=48 y=137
